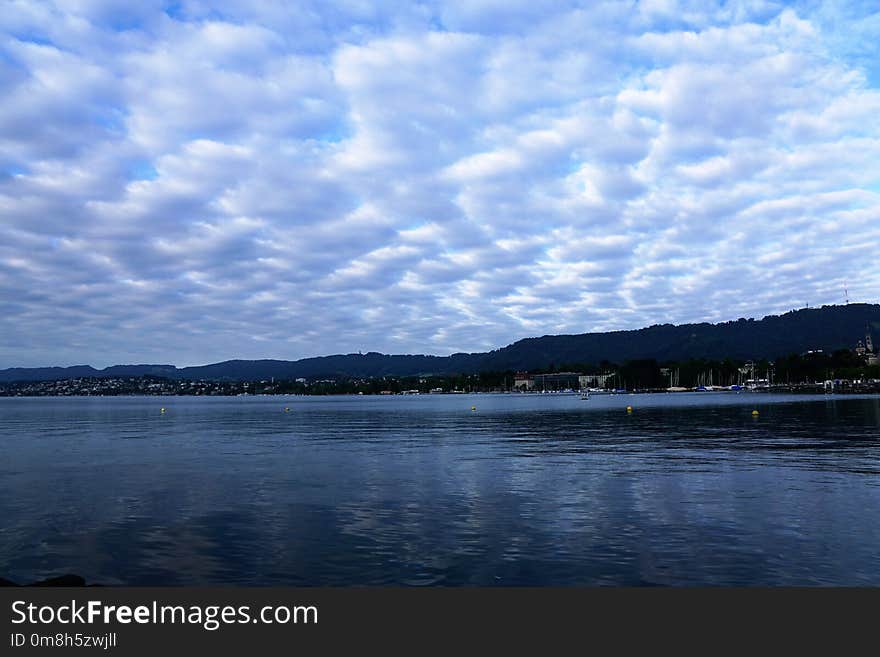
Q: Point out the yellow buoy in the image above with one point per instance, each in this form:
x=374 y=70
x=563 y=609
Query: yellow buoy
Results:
x=162 y=410
x=473 y=408
x=754 y=413
x=629 y=409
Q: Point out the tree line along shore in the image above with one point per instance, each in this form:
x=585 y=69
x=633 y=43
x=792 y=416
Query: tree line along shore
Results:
x=840 y=371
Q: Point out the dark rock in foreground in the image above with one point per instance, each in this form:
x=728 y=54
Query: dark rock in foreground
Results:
x=61 y=580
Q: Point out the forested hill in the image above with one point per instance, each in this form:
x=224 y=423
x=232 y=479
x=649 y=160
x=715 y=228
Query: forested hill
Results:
x=827 y=328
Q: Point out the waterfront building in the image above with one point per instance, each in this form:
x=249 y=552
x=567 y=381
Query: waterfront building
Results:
x=866 y=349
x=594 y=380
x=557 y=381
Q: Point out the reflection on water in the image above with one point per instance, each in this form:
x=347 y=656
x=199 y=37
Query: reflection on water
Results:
x=526 y=490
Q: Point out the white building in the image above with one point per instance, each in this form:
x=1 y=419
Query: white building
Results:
x=594 y=380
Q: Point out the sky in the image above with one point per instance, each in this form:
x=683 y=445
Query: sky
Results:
x=189 y=182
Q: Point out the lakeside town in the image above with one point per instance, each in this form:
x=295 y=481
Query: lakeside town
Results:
x=855 y=370
x=142 y=386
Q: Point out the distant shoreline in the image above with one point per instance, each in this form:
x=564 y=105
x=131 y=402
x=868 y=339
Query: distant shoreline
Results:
x=873 y=389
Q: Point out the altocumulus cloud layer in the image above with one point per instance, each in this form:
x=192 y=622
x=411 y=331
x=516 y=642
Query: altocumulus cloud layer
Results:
x=191 y=181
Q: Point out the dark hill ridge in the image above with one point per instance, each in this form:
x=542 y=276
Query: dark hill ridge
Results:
x=828 y=328
x=84 y=371
x=356 y=365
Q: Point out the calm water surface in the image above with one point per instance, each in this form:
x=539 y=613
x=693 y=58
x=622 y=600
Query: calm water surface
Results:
x=689 y=489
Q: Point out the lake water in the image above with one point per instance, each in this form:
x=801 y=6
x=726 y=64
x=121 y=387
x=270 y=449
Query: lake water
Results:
x=688 y=489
